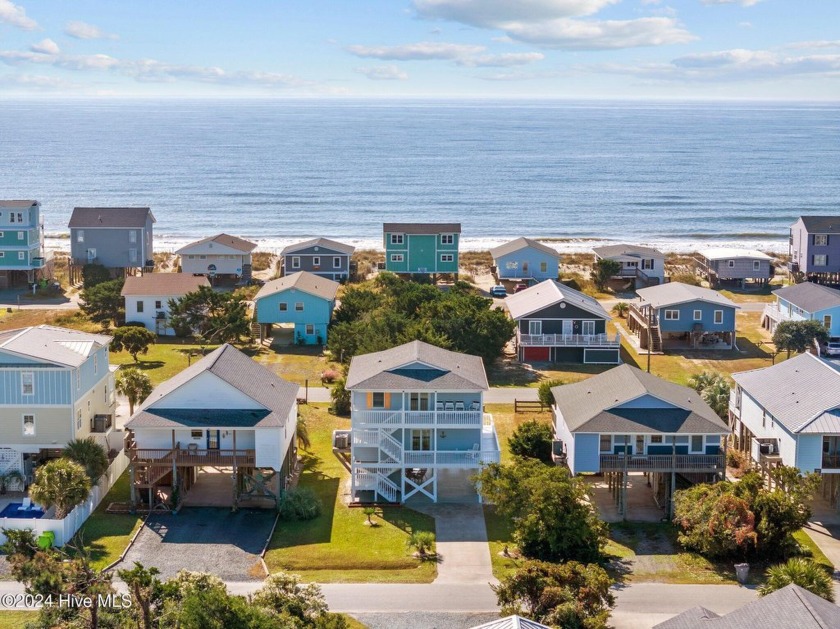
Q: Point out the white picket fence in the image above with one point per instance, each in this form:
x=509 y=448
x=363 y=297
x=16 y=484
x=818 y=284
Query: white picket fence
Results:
x=65 y=529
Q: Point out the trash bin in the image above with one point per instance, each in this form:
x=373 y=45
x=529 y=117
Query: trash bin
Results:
x=46 y=540
x=742 y=571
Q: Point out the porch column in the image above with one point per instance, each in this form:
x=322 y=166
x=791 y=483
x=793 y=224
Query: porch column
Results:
x=235 y=475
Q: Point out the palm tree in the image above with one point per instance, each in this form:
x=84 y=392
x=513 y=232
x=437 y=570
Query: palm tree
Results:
x=716 y=395
x=90 y=455
x=135 y=385
x=303 y=433
x=621 y=309
x=423 y=541
x=700 y=381
x=61 y=483
x=804 y=573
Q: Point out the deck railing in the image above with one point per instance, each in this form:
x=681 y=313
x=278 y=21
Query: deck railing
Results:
x=570 y=340
x=472 y=419
x=642 y=316
x=192 y=457
x=450 y=458
x=662 y=462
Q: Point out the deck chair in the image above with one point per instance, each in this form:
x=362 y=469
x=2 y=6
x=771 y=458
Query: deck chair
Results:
x=459 y=406
x=27 y=504
x=438 y=406
x=475 y=406
x=449 y=406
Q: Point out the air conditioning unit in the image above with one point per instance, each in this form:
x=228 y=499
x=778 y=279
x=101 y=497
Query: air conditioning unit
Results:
x=342 y=440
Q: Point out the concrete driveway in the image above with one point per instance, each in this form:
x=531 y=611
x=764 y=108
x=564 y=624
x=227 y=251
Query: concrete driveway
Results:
x=204 y=540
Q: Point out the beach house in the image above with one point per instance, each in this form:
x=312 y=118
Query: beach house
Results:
x=224 y=412
x=55 y=385
x=319 y=256
x=627 y=421
x=789 y=414
x=422 y=248
x=115 y=237
x=220 y=255
x=645 y=266
x=525 y=260
x=147 y=298
x=741 y=267
x=815 y=249
x=804 y=302
x=557 y=323
x=418 y=426
x=682 y=316
x=302 y=301
x=22 y=257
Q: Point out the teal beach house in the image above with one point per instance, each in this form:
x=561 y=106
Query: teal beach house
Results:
x=21 y=242
x=303 y=301
x=422 y=248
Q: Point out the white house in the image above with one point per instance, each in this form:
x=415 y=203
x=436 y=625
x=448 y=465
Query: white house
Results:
x=644 y=265
x=222 y=254
x=147 y=297
x=224 y=411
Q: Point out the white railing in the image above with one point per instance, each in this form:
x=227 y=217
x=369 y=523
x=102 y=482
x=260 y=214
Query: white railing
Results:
x=375 y=481
x=390 y=446
x=417 y=418
x=365 y=437
x=570 y=340
x=772 y=311
x=450 y=458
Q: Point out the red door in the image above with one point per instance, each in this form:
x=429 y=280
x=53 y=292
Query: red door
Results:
x=535 y=354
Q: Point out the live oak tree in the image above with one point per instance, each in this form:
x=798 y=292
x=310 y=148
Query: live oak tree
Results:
x=214 y=316
x=102 y=303
x=798 y=336
x=603 y=270
x=532 y=439
x=132 y=339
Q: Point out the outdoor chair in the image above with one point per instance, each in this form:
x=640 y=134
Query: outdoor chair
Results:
x=475 y=406
x=449 y=406
x=459 y=406
x=438 y=406
x=27 y=504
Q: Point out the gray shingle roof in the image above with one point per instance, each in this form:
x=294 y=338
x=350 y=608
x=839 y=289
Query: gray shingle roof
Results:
x=795 y=391
x=610 y=251
x=114 y=217
x=822 y=224
x=809 y=296
x=792 y=607
x=234 y=242
x=547 y=293
x=17 y=203
x=230 y=365
x=163 y=284
x=303 y=281
x=523 y=243
x=674 y=293
x=422 y=228
x=53 y=345
x=445 y=370
x=592 y=400
x=326 y=243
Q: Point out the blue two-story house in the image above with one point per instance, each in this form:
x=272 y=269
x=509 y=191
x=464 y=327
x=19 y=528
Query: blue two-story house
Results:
x=115 y=237
x=302 y=299
x=55 y=385
x=525 y=260
x=804 y=302
x=320 y=256
x=422 y=248
x=682 y=316
x=815 y=248
x=21 y=243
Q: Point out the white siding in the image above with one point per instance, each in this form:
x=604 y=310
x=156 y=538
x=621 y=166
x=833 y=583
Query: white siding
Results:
x=225 y=264
x=562 y=432
x=149 y=315
x=269 y=447
x=751 y=416
x=206 y=391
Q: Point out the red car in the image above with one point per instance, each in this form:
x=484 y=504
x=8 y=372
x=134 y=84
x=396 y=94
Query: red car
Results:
x=520 y=287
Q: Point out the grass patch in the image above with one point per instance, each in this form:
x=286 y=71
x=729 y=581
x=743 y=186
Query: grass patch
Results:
x=744 y=296
x=64 y=318
x=17 y=619
x=166 y=358
x=507 y=421
x=336 y=547
x=296 y=363
x=499 y=535
x=808 y=548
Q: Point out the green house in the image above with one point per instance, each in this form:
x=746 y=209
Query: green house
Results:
x=422 y=248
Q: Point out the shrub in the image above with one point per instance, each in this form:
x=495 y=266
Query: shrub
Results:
x=340 y=398
x=300 y=504
x=533 y=440
x=804 y=573
x=686 y=278
x=423 y=541
x=736 y=459
x=544 y=393
x=603 y=270
x=328 y=376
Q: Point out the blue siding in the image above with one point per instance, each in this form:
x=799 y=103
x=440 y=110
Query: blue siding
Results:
x=686 y=321
x=809 y=452
x=89 y=377
x=52 y=386
x=587 y=456
x=512 y=265
x=834 y=313
x=316 y=311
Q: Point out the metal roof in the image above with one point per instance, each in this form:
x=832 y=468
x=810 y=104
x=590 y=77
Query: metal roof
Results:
x=512 y=622
x=53 y=345
x=234 y=242
x=303 y=281
x=17 y=204
x=547 y=293
x=611 y=251
x=729 y=253
x=422 y=228
x=809 y=296
x=109 y=217
x=439 y=370
x=163 y=284
x=523 y=243
x=325 y=243
x=796 y=391
x=674 y=293
x=821 y=224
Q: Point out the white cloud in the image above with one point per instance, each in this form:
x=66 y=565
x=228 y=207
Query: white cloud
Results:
x=601 y=35
x=383 y=73
x=10 y=13
x=414 y=52
x=46 y=47
x=822 y=43
x=518 y=76
x=490 y=13
x=501 y=61
x=743 y=3
x=83 y=30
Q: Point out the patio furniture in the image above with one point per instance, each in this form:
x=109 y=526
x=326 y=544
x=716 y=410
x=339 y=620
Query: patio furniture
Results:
x=449 y=406
x=475 y=406
x=438 y=406
x=459 y=406
x=26 y=505
x=192 y=448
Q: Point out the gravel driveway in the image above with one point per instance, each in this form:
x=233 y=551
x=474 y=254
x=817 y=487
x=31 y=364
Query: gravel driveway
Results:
x=204 y=539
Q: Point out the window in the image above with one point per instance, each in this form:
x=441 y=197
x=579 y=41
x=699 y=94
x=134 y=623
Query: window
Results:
x=132 y=236
x=447 y=257
x=397 y=239
x=525 y=266
x=79 y=419
x=647 y=264
x=764 y=419
x=718 y=316
x=158 y=304
x=827 y=322
x=295 y=262
x=820 y=240
x=11 y=217
x=821 y=260
x=336 y=262
x=283 y=306
x=2 y=254
x=672 y=315
x=21 y=255
x=139 y=305
x=698 y=315
x=378 y=400
x=535 y=327
x=29 y=425
x=27 y=383
x=20 y=235
x=80 y=235
x=421 y=439
x=588 y=327
x=656 y=438
x=543 y=267
x=20 y=217
x=298 y=306
x=447 y=239
x=316 y=261
x=397 y=257
x=697 y=443
x=756 y=265
x=606 y=443
x=196 y=434
x=310 y=329
x=730 y=264
x=419 y=401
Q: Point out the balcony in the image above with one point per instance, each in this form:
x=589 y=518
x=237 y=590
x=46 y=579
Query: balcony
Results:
x=440 y=419
x=191 y=457
x=570 y=340
x=685 y=463
x=774 y=313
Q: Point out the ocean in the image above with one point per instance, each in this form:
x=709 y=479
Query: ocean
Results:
x=673 y=175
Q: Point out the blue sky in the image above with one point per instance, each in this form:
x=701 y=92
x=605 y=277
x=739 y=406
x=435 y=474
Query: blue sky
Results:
x=617 y=49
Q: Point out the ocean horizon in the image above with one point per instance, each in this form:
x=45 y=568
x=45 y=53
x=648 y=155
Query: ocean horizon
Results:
x=676 y=175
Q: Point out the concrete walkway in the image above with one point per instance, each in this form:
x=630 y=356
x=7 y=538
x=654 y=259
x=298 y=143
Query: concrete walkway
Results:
x=824 y=529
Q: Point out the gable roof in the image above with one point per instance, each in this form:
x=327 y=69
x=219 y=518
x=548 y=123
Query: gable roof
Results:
x=326 y=243
x=523 y=243
x=164 y=284
x=234 y=242
x=113 y=217
x=589 y=405
x=791 y=607
x=809 y=296
x=547 y=293
x=729 y=253
x=392 y=369
x=303 y=281
x=675 y=293
x=275 y=395
x=611 y=251
x=788 y=390
x=821 y=224
x=50 y=344
x=422 y=228
x=17 y=203
x=512 y=622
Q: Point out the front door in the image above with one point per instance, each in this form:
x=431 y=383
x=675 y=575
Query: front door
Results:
x=567 y=327
x=212 y=439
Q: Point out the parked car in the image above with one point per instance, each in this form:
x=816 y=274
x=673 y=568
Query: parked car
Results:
x=520 y=287
x=498 y=291
x=833 y=348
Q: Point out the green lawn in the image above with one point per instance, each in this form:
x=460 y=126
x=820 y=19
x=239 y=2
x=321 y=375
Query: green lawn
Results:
x=337 y=547
x=16 y=619
x=499 y=534
x=106 y=535
x=810 y=549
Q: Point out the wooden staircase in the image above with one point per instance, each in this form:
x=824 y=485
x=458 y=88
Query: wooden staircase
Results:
x=655 y=340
